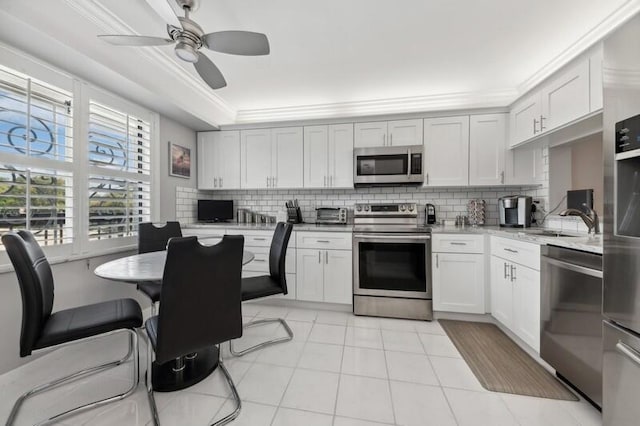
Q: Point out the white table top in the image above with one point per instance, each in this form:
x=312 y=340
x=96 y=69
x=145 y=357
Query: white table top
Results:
x=143 y=267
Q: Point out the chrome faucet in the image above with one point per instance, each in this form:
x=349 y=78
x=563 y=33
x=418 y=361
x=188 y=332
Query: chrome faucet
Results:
x=590 y=219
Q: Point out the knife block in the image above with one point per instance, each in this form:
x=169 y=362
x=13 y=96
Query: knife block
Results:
x=294 y=215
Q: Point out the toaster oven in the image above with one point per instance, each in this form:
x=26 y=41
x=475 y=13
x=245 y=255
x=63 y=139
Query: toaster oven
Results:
x=331 y=215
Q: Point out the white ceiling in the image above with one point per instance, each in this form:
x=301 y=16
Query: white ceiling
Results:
x=334 y=54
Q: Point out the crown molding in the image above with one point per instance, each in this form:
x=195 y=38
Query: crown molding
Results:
x=596 y=34
x=109 y=22
x=453 y=101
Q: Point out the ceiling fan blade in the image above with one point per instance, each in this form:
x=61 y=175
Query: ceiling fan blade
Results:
x=237 y=42
x=209 y=72
x=135 y=40
x=164 y=9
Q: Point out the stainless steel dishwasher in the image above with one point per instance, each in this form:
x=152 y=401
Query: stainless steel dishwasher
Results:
x=571 y=318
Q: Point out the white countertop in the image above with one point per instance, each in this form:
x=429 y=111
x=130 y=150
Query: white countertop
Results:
x=575 y=241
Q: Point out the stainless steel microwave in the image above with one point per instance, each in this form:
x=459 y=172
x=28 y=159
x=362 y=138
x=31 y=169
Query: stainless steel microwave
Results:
x=389 y=165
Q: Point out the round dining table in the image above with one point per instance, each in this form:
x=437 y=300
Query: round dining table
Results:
x=185 y=371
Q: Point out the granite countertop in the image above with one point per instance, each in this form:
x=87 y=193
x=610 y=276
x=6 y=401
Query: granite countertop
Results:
x=576 y=241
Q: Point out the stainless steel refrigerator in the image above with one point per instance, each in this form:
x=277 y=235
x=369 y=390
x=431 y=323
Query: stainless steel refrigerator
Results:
x=621 y=263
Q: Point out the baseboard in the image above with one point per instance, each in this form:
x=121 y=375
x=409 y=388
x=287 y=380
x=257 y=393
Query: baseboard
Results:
x=301 y=304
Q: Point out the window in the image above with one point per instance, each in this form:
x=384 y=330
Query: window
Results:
x=36 y=153
x=120 y=172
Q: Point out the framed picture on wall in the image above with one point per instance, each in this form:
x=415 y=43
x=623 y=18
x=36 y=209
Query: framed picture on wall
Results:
x=179 y=161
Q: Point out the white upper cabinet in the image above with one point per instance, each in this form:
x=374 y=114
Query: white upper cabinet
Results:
x=370 y=135
x=487 y=143
x=525 y=118
x=287 y=157
x=566 y=97
x=272 y=158
x=388 y=133
x=328 y=156
x=256 y=159
x=341 y=155
x=316 y=156
x=446 y=151
x=595 y=80
x=219 y=160
x=524 y=165
x=404 y=132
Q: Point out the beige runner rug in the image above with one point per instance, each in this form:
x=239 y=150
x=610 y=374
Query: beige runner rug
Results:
x=500 y=364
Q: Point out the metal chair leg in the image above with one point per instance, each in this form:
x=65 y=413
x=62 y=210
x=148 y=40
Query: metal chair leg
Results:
x=133 y=350
x=287 y=338
x=149 y=385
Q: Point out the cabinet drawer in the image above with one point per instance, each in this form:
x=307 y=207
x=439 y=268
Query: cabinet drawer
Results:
x=324 y=240
x=253 y=238
x=260 y=263
x=521 y=252
x=458 y=243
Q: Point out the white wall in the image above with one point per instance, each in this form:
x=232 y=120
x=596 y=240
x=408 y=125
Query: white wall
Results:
x=172 y=131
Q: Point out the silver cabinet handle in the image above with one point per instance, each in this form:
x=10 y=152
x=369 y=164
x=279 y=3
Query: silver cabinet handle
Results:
x=220 y=182
x=427 y=178
x=319 y=256
x=506 y=274
x=628 y=351
x=267 y=181
x=437 y=261
x=325 y=181
x=384 y=139
x=513 y=273
x=215 y=182
x=391 y=140
x=542 y=128
x=259 y=239
x=535 y=122
x=259 y=260
x=326 y=257
x=323 y=241
x=511 y=250
x=501 y=177
x=456 y=243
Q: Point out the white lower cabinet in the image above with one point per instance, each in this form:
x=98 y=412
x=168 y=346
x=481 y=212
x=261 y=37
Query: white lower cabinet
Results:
x=458 y=282
x=324 y=275
x=515 y=289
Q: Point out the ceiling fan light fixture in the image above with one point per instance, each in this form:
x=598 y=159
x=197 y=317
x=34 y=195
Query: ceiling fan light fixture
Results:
x=186 y=52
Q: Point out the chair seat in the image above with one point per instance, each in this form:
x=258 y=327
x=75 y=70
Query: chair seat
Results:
x=152 y=289
x=257 y=287
x=90 y=320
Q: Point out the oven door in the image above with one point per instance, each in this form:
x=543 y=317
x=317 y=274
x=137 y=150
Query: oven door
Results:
x=401 y=164
x=392 y=265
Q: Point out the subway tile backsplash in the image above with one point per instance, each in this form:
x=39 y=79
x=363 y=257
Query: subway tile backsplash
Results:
x=449 y=202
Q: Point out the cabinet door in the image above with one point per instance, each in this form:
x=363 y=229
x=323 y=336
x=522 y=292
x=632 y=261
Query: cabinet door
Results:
x=370 y=134
x=487 y=140
x=255 y=158
x=316 y=156
x=526 y=305
x=524 y=165
x=288 y=157
x=501 y=292
x=341 y=155
x=446 y=143
x=525 y=119
x=228 y=159
x=458 y=282
x=206 y=161
x=310 y=275
x=566 y=97
x=338 y=281
x=404 y=132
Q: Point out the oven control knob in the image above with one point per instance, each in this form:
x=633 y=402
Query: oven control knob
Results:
x=410 y=207
x=358 y=207
x=403 y=208
x=366 y=208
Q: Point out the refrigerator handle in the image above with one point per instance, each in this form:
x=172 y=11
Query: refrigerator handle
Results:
x=628 y=351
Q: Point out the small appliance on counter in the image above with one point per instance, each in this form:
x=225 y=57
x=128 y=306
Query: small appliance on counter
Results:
x=476 y=209
x=515 y=211
x=215 y=210
x=430 y=214
x=331 y=216
x=294 y=215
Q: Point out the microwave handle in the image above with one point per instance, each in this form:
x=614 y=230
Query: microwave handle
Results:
x=409 y=163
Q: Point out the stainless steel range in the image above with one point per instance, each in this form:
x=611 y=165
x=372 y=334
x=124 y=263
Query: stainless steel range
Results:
x=391 y=262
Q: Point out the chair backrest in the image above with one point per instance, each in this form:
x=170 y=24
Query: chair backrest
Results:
x=36 y=285
x=278 y=252
x=201 y=296
x=153 y=238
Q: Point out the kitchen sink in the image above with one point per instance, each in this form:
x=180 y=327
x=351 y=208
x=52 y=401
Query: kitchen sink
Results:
x=550 y=234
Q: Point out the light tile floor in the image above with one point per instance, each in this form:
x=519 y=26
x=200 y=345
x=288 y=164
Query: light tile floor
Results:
x=340 y=370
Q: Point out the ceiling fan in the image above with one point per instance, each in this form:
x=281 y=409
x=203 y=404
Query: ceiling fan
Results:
x=189 y=37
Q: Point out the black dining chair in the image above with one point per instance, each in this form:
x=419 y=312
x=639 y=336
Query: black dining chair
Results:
x=200 y=307
x=44 y=329
x=269 y=285
x=155 y=238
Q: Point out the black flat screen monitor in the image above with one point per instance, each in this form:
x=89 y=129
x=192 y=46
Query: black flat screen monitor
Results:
x=215 y=210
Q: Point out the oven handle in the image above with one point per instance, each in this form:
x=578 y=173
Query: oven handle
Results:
x=571 y=267
x=392 y=237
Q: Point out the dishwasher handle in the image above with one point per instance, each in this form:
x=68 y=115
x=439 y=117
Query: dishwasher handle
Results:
x=628 y=351
x=571 y=267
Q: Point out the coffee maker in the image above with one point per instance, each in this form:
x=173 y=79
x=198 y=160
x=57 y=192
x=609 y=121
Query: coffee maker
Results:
x=515 y=211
